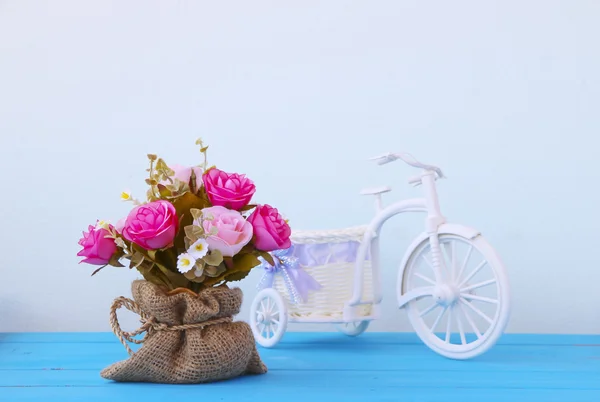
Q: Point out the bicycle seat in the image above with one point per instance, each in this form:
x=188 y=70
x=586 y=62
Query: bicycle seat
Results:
x=376 y=190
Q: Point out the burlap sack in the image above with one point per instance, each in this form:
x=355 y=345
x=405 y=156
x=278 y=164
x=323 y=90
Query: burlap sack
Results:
x=190 y=337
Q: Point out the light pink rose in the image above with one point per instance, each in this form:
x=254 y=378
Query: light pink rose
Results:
x=97 y=249
x=230 y=190
x=120 y=225
x=184 y=173
x=271 y=231
x=152 y=226
x=233 y=231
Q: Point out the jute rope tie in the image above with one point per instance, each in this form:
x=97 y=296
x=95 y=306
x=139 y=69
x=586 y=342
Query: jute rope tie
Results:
x=149 y=324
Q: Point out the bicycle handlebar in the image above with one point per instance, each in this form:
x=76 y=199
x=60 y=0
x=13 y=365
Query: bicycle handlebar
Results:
x=409 y=160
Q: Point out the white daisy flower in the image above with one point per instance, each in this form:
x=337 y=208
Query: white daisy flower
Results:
x=198 y=249
x=185 y=262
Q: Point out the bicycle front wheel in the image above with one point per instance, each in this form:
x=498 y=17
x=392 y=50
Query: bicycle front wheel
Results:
x=469 y=308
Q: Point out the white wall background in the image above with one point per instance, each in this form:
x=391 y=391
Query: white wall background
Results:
x=504 y=95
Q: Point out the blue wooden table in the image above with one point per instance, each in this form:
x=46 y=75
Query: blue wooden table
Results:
x=316 y=367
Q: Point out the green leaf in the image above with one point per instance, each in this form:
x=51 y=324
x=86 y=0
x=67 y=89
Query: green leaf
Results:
x=247 y=207
x=136 y=260
x=203 y=149
x=236 y=276
x=154 y=276
x=163 y=190
x=114 y=259
x=245 y=262
x=166 y=257
x=176 y=279
x=247 y=249
x=98 y=270
x=266 y=256
x=214 y=258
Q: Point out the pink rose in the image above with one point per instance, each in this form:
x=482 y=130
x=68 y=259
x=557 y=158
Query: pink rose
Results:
x=152 y=226
x=270 y=230
x=230 y=190
x=232 y=231
x=97 y=249
x=184 y=173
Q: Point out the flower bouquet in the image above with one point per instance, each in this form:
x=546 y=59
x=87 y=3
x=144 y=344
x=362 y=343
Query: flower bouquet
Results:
x=196 y=232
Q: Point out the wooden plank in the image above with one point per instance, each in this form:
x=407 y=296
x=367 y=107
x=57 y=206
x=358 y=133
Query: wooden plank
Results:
x=516 y=379
x=317 y=366
x=402 y=338
x=298 y=393
x=369 y=356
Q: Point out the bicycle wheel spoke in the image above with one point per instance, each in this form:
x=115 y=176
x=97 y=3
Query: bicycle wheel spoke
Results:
x=427 y=262
x=261 y=327
x=478 y=285
x=470 y=321
x=429 y=309
x=480 y=298
x=461 y=330
x=454 y=258
x=473 y=273
x=464 y=264
x=437 y=320
x=269 y=330
x=477 y=311
x=449 y=325
x=262 y=306
x=425 y=278
x=274 y=321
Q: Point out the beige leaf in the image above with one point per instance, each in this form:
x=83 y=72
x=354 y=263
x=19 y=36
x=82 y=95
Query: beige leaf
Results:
x=214 y=258
x=193 y=232
x=214 y=271
x=196 y=213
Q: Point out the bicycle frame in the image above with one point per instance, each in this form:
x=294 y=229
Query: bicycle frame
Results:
x=430 y=205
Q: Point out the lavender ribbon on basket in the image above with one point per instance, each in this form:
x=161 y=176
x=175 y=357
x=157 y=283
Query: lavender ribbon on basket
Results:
x=297 y=281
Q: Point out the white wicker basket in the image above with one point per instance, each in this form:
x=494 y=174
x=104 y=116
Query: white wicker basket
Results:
x=335 y=272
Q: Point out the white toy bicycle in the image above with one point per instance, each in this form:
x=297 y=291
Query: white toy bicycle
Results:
x=451 y=282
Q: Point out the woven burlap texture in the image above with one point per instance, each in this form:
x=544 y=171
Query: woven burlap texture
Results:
x=219 y=350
